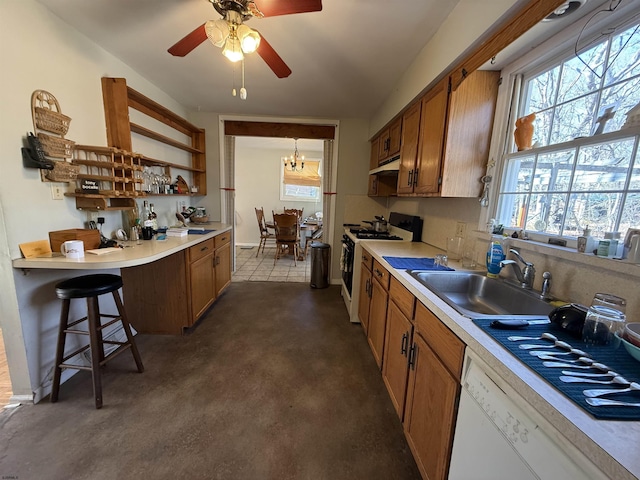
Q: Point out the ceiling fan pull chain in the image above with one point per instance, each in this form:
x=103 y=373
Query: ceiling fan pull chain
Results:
x=243 y=91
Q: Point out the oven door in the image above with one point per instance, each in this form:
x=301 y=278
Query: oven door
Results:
x=346 y=262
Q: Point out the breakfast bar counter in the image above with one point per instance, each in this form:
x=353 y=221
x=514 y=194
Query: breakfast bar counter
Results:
x=132 y=255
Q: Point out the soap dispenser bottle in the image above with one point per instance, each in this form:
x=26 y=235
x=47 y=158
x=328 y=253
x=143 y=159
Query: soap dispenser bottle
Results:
x=495 y=255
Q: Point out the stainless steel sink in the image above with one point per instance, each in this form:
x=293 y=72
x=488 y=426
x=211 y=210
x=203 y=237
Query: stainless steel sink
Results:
x=477 y=296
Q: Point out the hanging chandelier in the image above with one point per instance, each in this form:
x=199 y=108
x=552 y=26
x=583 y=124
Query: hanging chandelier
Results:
x=291 y=163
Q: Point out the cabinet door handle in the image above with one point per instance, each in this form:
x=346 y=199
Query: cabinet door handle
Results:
x=415 y=177
x=217 y=262
x=404 y=344
x=410 y=179
x=412 y=357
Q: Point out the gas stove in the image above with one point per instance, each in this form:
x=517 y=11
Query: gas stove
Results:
x=367 y=234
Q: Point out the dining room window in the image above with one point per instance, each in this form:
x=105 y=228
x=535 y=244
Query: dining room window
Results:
x=584 y=167
x=302 y=184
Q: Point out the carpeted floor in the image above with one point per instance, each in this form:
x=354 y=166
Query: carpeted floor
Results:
x=273 y=383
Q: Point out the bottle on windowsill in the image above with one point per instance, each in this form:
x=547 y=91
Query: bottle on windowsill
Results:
x=586 y=243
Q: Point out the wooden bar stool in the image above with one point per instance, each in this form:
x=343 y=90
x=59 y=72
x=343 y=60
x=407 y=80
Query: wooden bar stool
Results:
x=91 y=287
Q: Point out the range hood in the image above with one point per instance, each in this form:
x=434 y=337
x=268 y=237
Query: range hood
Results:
x=391 y=167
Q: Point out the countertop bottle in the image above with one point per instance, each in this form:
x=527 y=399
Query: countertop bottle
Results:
x=495 y=254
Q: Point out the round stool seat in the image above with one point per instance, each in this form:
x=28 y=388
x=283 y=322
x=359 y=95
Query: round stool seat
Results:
x=88 y=286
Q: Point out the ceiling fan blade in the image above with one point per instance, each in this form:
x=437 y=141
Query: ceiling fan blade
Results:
x=189 y=42
x=272 y=59
x=273 y=8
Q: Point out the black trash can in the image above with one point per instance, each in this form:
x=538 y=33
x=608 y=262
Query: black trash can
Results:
x=320 y=254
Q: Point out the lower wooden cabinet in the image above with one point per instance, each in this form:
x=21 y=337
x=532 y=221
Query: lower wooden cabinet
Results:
x=222 y=262
x=432 y=403
x=433 y=392
x=171 y=294
x=378 y=311
x=395 y=370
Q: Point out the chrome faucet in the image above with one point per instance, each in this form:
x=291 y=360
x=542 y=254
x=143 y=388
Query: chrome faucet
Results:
x=525 y=276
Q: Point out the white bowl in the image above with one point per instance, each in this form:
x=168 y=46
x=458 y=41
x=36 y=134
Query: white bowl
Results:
x=632 y=333
x=632 y=349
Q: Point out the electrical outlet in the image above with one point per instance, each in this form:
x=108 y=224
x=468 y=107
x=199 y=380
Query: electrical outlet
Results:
x=92 y=216
x=56 y=192
x=461 y=228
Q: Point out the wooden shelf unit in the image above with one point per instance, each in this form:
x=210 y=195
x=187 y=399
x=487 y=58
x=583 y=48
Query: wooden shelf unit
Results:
x=118 y=98
x=117 y=173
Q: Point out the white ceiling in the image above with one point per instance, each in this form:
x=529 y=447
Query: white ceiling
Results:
x=345 y=59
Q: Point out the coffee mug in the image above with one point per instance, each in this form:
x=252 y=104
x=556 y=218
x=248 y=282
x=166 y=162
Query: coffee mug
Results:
x=72 y=249
x=147 y=233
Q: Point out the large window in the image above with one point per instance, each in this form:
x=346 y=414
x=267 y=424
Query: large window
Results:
x=301 y=185
x=582 y=170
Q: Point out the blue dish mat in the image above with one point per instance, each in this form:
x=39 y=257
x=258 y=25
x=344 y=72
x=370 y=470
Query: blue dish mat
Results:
x=199 y=232
x=617 y=360
x=408 y=263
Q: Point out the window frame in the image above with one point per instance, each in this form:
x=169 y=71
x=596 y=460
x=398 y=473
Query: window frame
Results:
x=511 y=95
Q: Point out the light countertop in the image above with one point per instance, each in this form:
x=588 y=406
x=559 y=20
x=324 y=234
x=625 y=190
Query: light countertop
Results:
x=613 y=446
x=137 y=254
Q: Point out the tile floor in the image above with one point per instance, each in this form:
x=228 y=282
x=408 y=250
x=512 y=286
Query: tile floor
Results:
x=261 y=268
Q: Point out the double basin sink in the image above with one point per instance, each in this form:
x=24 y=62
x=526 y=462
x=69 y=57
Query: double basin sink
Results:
x=475 y=295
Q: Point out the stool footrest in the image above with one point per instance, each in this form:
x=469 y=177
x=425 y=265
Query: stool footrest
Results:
x=116 y=352
x=78 y=351
x=75 y=367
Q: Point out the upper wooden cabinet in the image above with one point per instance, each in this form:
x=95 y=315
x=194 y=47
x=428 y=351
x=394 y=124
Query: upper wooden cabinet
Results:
x=390 y=140
x=445 y=138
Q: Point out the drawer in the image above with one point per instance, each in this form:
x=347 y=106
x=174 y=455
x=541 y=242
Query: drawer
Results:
x=448 y=347
x=200 y=250
x=380 y=273
x=367 y=259
x=402 y=297
x=222 y=239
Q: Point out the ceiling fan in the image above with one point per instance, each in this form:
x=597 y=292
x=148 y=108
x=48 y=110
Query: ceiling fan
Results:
x=235 y=38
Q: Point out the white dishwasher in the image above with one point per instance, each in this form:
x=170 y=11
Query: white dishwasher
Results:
x=496 y=440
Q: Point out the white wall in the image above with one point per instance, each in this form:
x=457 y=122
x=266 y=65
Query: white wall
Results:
x=38 y=51
x=257 y=174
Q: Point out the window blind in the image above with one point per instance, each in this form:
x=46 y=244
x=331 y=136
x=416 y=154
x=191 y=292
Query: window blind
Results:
x=309 y=176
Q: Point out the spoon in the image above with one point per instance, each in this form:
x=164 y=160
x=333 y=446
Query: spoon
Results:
x=557 y=343
x=615 y=380
x=573 y=351
x=600 y=402
x=544 y=336
x=633 y=386
x=599 y=366
x=610 y=373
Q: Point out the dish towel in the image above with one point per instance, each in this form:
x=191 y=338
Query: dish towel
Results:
x=408 y=263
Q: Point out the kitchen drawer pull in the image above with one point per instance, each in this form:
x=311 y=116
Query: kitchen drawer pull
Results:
x=404 y=344
x=202 y=249
x=412 y=357
x=378 y=273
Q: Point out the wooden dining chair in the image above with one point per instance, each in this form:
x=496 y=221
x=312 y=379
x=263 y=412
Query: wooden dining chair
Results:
x=265 y=234
x=295 y=211
x=287 y=235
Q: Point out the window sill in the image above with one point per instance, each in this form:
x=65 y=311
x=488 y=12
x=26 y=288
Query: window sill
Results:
x=569 y=254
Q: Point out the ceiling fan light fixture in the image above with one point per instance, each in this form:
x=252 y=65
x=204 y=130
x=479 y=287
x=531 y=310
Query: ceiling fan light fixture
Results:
x=232 y=48
x=217 y=31
x=249 y=38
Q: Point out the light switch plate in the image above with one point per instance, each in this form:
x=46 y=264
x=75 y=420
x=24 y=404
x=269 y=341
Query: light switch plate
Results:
x=56 y=192
x=460 y=229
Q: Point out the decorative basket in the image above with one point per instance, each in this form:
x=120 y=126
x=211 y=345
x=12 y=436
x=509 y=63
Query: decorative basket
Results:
x=62 y=172
x=204 y=219
x=56 y=147
x=46 y=113
x=54 y=122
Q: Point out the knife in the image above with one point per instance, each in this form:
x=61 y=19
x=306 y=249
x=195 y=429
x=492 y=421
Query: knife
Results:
x=511 y=324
